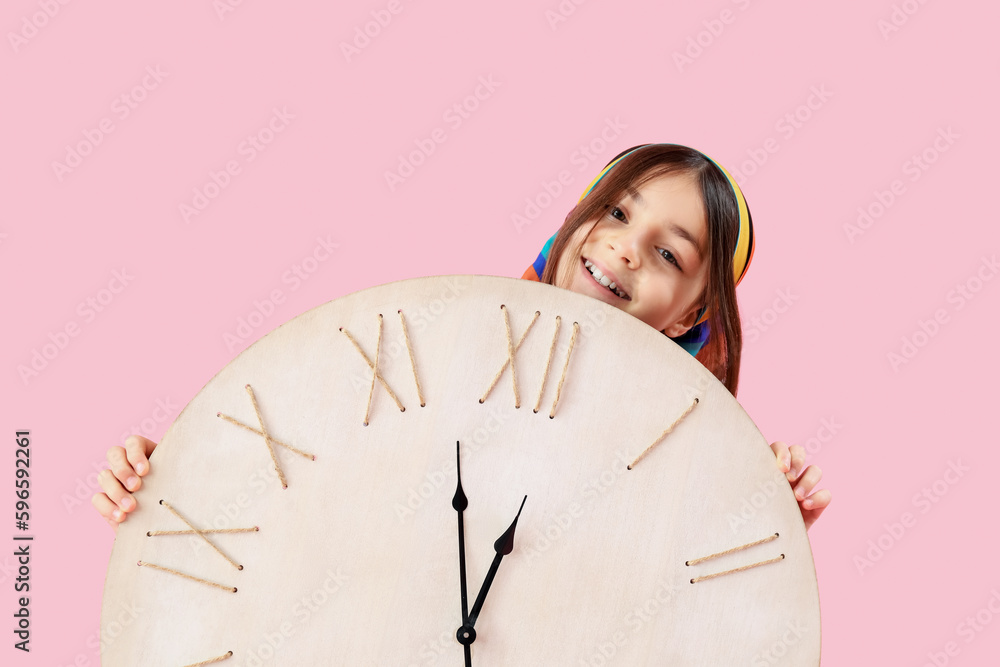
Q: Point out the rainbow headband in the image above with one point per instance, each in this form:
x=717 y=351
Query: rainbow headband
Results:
x=744 y=242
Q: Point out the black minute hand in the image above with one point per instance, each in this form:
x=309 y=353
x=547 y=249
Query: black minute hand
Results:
x=503 y=546
x=465 y=635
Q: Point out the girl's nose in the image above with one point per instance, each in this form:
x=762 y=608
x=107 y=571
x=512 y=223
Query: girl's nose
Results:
x=628 y=246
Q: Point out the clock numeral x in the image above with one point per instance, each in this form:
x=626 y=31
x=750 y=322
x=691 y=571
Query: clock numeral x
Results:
x=268 y=440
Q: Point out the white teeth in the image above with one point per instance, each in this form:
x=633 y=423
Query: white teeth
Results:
x=604 y=280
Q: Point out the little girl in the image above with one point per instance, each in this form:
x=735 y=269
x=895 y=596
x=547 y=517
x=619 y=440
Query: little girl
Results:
x=663 y=233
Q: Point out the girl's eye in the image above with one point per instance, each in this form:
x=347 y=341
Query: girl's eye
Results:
x=667 y=255
x=615 y=210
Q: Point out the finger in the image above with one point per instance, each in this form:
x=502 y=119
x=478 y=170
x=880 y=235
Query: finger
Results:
x=115 y=491
x=122 y=469
x=818 y=501
x=781 y=453
x=807 y=482
x=810 y=516
x=138 y=449
x=798 y=454
x=107 y=509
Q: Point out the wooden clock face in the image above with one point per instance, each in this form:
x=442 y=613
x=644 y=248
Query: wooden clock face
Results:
x=697 y=555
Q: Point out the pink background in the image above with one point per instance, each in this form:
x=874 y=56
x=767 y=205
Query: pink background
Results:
x=825 y=303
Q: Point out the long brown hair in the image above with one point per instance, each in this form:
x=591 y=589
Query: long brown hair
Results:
x=721 y=351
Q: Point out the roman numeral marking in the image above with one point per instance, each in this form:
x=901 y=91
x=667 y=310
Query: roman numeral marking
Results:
x=200 y=534
x=767 y=539
x=665 y=433
x=374 y=365
x=512 y=349
x=224 y=656
x=268 y=440
x=231 y=589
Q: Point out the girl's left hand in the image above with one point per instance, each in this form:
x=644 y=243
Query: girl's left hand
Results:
x=803 y=478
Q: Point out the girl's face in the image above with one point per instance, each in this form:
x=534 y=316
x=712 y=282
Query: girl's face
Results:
x=651 y=245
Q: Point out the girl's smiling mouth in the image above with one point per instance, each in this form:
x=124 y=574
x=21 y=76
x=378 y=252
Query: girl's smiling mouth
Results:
x=598 y=277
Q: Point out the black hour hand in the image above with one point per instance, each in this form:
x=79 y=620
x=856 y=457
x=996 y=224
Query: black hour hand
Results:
x=503 y=546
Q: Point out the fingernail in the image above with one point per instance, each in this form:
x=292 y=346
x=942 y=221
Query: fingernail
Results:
x=807 y=504
x=132 y=482
x=127 y=503
x=140 y=468
x=117 y=514
x=799 y=494
x=790 y=475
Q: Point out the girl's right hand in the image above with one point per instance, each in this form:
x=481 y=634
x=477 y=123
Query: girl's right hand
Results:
x=129 y=464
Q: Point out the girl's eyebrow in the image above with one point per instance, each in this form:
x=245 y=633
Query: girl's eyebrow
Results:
x=636 y=197
x=673 y=228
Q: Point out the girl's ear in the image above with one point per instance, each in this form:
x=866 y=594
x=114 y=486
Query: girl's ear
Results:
x=682 y=325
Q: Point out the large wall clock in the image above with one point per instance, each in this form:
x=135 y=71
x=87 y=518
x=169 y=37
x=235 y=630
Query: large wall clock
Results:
x=462 y=470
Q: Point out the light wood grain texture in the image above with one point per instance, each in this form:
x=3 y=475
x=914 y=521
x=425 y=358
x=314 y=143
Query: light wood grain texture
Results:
x=356 y=562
